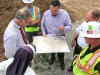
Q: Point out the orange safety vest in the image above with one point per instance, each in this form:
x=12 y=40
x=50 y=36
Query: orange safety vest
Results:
x=34 y=17
x=88 y=66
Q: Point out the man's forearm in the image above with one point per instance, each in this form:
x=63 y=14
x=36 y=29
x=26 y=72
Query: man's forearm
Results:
x=75 y=36
x=35 y=22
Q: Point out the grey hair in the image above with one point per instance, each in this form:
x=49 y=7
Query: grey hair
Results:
x=22 y=14
x=95 y=13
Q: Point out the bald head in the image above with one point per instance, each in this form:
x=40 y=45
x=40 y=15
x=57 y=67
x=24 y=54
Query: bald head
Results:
x=92 y=15
x=95 y=13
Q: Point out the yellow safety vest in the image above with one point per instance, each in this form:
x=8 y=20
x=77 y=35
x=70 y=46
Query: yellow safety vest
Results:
x=34 y=17
x=85 y=66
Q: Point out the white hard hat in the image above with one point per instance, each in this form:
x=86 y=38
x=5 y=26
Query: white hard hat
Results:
x=91 y=30
x=27 y=1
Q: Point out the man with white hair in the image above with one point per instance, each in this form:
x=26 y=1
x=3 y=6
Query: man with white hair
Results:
x=14 y=36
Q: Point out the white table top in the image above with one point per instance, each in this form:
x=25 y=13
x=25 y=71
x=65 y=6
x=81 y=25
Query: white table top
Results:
x=50 y=44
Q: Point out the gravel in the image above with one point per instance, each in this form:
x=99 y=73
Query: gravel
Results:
x=40 y=63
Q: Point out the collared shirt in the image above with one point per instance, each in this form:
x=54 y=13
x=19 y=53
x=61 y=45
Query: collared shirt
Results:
x=12 y=39
x=50 y=24
x=6 y=63
x=81 y=40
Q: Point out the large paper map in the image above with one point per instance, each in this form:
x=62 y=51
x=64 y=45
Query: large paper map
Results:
x=50 y=44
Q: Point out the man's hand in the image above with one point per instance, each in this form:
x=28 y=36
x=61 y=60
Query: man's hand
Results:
x=44 y=35
x=61 y=28
x=73 y=43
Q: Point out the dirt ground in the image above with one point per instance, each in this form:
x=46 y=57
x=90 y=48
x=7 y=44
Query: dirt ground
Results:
x=40 y=63
x=75 y=8
x=7 y=12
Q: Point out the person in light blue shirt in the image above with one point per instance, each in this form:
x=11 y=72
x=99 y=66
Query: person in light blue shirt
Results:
x=56 y=21
x=13 y=38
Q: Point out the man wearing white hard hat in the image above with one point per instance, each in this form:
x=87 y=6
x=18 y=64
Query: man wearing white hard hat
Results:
x=32 y=29
x=78 y=41
x=88 y=61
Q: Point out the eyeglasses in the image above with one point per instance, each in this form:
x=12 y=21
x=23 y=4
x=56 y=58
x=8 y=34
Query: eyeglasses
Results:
x=26 y=22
